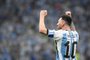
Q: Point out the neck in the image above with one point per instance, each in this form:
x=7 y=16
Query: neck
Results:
x=66 y=27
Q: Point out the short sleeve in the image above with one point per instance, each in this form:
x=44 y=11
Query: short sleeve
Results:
x=56 y=35
x=51 y=33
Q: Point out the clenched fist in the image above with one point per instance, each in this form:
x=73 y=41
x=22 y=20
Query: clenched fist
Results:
x=68 y=13
x=43 y=13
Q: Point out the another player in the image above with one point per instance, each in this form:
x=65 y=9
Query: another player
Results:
x=72 y=24
x=66 y=39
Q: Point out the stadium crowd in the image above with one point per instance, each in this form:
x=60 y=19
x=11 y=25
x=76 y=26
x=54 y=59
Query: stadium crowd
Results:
x=19 y=36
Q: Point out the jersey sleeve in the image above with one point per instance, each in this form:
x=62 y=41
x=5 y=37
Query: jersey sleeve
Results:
x=56 y=35
x=51 y=33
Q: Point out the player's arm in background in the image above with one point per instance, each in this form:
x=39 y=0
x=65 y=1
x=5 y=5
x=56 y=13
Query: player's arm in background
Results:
x=70 y=14
x=42 y=27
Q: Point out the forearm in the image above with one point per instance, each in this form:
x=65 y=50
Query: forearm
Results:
x=42 y=27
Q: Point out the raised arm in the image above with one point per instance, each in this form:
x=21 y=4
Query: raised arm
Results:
x=42 y=27
x=69 y=14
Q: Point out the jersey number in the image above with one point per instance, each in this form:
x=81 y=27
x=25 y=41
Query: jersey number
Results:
x=67 y=54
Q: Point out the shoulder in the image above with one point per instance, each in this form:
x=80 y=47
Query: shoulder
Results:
x=59 y=32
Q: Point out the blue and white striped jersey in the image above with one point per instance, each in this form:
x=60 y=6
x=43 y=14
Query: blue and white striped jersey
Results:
x=66 y=42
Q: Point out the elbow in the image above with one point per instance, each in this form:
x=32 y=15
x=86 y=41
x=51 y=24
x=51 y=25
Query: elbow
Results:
x=41 y=30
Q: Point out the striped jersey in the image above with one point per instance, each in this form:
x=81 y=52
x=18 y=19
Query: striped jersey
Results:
x=66 y=42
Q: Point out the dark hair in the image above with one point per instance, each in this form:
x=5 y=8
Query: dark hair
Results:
x=67 y=19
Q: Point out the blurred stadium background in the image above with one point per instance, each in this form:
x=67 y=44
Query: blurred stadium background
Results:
x=19 y=36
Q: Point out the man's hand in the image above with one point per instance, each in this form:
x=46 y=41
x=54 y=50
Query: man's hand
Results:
x=68 y=13
x=43 y=13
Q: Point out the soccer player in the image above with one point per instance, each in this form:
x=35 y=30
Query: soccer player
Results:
x=66 y=39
